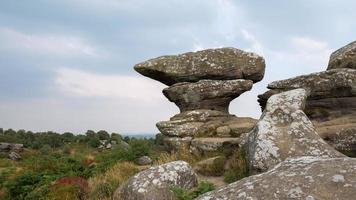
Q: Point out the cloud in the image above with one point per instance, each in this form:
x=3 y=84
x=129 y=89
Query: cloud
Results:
x=44 y=44
x=85 y=84
x=305 y=53
x=256 y=46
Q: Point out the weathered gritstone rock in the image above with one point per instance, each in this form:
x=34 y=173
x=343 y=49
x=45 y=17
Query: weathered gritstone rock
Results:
x=214 y=64
x=6 y=147
x=308 y=178
x=208 y=145
x=206 y=123
x=345 y=57
x=156 y=182
x=331 y=104
x=206 y=94
x=283 y=132
x=175 y=144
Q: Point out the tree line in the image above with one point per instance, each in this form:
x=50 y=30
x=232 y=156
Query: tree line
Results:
x=37 y=140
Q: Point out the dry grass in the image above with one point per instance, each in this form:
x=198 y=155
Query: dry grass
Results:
x=102 y=186
x=182 y=154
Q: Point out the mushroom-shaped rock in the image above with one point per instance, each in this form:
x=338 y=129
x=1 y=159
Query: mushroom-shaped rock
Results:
x=215 y=64
x=344 y=57
x=206 y=94
x=308 y=178
x=156 y=182
x=284 y=131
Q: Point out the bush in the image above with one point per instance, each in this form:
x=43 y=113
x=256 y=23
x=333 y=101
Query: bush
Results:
x=64 y=192
x=238 y=167
x=23 y=185
x=183 y=194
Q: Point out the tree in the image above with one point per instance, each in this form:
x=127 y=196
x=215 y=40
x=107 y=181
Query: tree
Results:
x=103 y=135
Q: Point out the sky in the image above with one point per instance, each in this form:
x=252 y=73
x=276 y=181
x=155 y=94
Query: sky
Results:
x=67 y=65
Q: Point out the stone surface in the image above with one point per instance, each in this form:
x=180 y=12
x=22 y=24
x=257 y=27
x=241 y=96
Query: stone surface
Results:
x=144 y=160
x=334 y=83
x=201 y=146
x=331 y=105
x=211 y=167
x=14 y=156
x=206 y=94
x=6 y=147
x=203 y=123
x=174 y=144
x=307 y=178
x=344 y=57
x=214 y=64
x=284 y=131
x=156 y=182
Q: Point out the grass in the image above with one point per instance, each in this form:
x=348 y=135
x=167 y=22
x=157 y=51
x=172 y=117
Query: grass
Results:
x=103 y=185
x=183 y=194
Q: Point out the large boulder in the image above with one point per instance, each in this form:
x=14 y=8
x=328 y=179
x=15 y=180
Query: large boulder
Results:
x=6 y=147
x=206 y=94
x=344 y=57
x=156 y=182
x=308 y=178
x=214 y=64
x=201 y=146
x=284 y=131
x=331 y=104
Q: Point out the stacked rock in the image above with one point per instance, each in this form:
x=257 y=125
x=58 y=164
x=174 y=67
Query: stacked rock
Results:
x=331 y=103
x=202 y=84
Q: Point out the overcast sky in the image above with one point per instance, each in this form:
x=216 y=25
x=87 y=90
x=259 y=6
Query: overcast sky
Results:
x=67 y=65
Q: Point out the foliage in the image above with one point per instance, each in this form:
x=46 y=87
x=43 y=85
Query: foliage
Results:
x=183 y=194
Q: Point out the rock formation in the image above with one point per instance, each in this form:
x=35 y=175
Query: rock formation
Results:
x=283 y=132
x=331 y=104
x=308 y=178
x=202 y=84
x=156 y=182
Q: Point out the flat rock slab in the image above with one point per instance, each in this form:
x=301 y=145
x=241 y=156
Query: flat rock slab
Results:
x=334 y=83
x=215 y=64
x=206 y=94
x=156 y=182
x=344 y=57
x=284 y=131
x=308 y=178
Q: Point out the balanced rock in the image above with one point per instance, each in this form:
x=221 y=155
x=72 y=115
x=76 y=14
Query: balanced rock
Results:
x=206 y=94
x=284 y=131
x=308 y=178
x=202 y=84
x=345 y=57
x=156 y=182
x=213 y=64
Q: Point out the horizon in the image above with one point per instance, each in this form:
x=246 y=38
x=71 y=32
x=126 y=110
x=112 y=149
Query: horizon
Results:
x=67 y=66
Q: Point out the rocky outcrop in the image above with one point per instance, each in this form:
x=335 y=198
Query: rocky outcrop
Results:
x=144 y=160
x=202 y=123
x=14 y=156
x=206 y=94
x=213 y=64
x=331 y=104
x=202 y=84
x=283 y=132
x=6 y=147
x=345 y=57
x=156 y=182
x=299 y=178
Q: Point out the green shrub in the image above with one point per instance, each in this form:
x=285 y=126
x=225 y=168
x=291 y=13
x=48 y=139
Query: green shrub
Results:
x=183 y=194
x=22 y=185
